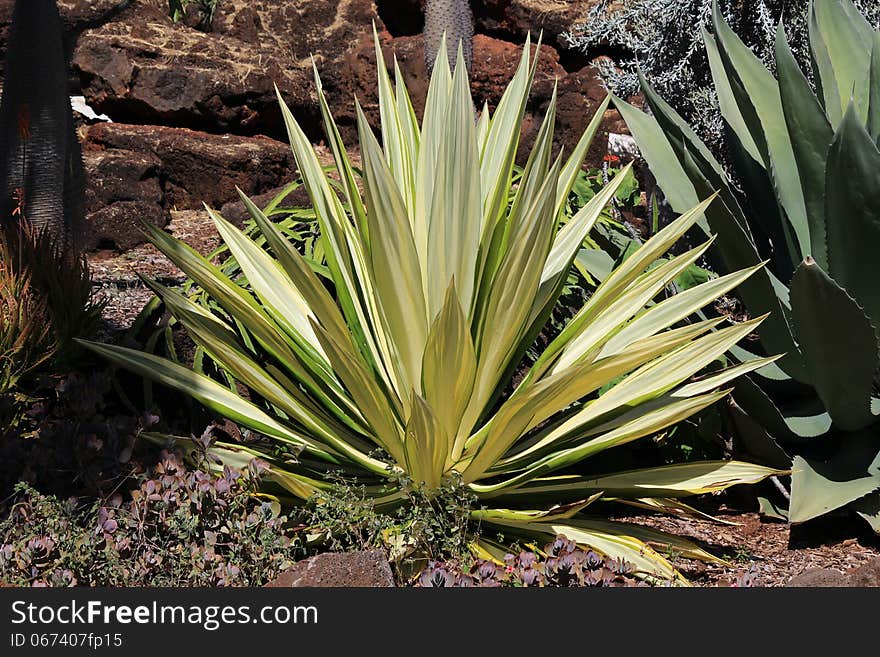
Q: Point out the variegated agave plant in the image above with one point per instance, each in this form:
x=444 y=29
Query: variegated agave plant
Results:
x=439 y=286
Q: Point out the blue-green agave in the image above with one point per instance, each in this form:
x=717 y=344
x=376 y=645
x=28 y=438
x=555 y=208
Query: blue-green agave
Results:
x=807 y=162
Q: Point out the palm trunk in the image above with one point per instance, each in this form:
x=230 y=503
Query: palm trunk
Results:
x=455 y=19
x=41 y=170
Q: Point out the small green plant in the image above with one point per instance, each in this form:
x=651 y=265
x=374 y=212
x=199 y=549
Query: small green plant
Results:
x=426 y=525
x=206 y=8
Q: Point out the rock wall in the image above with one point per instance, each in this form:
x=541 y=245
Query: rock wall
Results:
x=195 y=112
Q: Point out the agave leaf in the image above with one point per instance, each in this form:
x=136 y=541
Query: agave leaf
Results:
x=657 y=150
x=506 y=234
x=763 y=293
x=394 y=263
x=668 y=371
x=637 y=296
x=556 y=512
x=669 y=543
x=368 y=396
x=852 y=211
x=340 y=156
x=757 y=95
x=823 y=72
x=499 y=152
x=206 y=391
x=811 y=135
x=236 y=300
x=816 y=490
x=534 y=403
x=668 y=481
x=448 y=369
x=645 y=424
x=346 y=264
x=839 y=345
x=515 y=287
x=317 y=299
x=673 y=507
x=606 y=539
x=685 y=182
x=218 y=340
x=874 y=104
x=483 y=126
x=455 y=213
x=649 y=382
x=571 y=236
x=681 y=479
x=427 y=445
x=685 y=143
x=398 y=149
x=726 y=98
x=282 y=300
x=672 y=310
x=407 y=115
x=611 y=289
x=793 y=423
x=839 y=30
x=728 y=374
x=868 y=508
x=430 y=143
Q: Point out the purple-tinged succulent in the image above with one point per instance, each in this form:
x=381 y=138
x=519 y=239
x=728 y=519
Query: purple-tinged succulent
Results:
x=561 y=564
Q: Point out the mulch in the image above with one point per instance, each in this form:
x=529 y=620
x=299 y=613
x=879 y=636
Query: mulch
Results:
x=769 y=552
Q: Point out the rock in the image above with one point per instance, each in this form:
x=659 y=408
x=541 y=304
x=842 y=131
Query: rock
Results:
x=198 y=167
x=143 y=67
x=76 y=16
x=519 y=17
x=819 y=577
x=868 y=574
x=137 y=173
x=338 y=569
x=123 y=189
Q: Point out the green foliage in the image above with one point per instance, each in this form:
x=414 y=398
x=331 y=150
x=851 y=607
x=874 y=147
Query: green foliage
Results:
x=426 y=524
x=26 y=337
x=45 y=302
x=441 y=285
x=809 y=166
x=206 y=8
x=181 y=528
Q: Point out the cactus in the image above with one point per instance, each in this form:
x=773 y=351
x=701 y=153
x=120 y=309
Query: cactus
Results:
x=42 y=178
x=455 y=19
